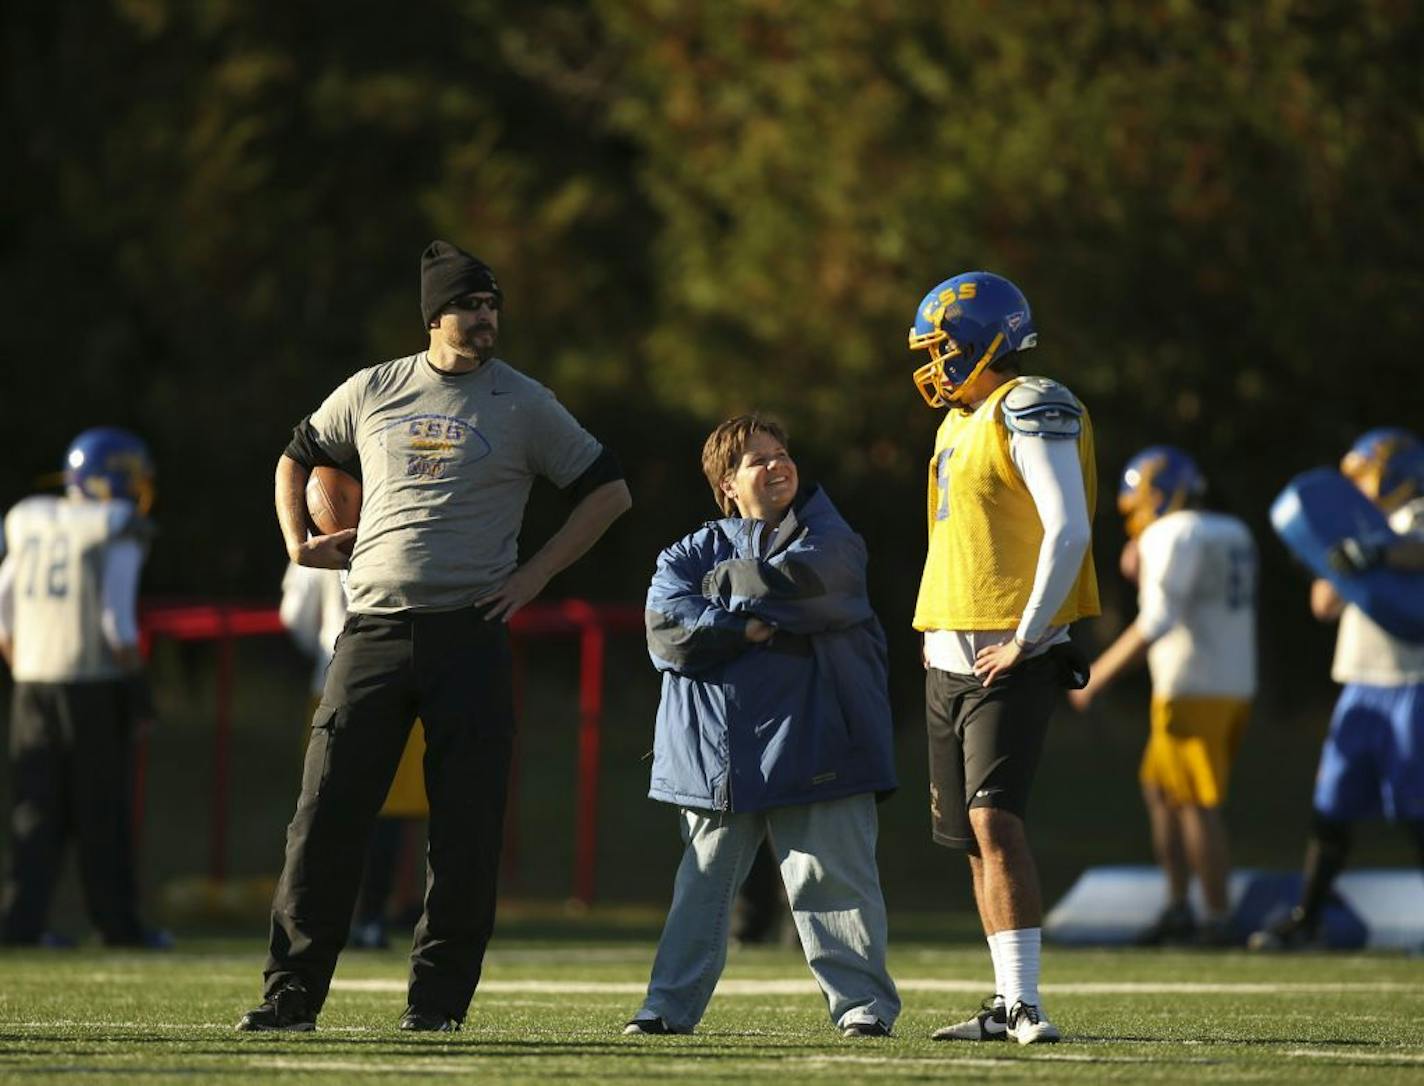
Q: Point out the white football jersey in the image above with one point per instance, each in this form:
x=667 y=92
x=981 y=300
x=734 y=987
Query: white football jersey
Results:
x=1197 y=604
x=1364 y=653
x=56 y=551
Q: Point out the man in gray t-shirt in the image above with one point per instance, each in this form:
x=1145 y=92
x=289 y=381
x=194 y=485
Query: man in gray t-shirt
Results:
x=447 y=443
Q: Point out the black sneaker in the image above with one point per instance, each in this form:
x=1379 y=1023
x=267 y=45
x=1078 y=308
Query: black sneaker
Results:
x=419 y=1021
x=1174 y=926
x=1291 y=932
x=648 y=1027
x=990 y=1024
x=285 y=1010
x=46 y=940
x=873 y=1028
x=145 y=939
x=1217 y=933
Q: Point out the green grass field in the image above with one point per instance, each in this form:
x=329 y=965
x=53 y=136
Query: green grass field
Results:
x=553 y=1001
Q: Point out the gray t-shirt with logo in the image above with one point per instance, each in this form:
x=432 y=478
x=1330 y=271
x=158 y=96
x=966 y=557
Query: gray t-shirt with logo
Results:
x=447 y=462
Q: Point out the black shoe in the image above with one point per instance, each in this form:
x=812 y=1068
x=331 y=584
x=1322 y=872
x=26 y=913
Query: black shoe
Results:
x=145 y=939
x=990 y=1024
x=418 y=1021
x=1293 y=932
x=648 y=1027
x=1217 y=934
x=875 y=1028
x=1175 y=926
x=286 y=1010
x=46 y=940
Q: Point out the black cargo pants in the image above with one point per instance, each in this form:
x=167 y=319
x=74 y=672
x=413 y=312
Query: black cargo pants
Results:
x=452 y=669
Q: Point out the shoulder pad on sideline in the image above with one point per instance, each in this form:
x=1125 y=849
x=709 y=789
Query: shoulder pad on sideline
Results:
x=1042 y=408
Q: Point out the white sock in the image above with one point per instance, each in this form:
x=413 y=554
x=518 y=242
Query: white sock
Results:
x=998 y=969
x=1019 y=955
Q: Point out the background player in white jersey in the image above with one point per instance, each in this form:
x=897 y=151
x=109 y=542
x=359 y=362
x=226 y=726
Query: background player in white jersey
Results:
x=69 y=631
x=1372 y=763
x=1196 y=627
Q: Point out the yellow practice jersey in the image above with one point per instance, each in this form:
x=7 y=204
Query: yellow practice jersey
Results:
x=984 y=529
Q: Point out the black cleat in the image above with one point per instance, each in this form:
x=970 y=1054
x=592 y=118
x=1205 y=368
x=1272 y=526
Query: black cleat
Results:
x=990 y=1024
x=1175 y=926
x=1292 y=932
x=145 y=939
x=648 y=1027
x=418 y=1021
x=1217 y=934
x=285 y=1010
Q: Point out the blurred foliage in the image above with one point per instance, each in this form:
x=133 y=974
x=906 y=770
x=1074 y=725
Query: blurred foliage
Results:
x=214 y=212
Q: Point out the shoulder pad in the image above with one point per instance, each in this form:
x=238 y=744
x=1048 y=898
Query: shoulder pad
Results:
x=1042 y=408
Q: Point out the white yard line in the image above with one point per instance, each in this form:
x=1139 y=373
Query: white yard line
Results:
x=913 y=984
x=805 y=986
x=366 y=1067
x=176 y=1027
x=1351 y=1057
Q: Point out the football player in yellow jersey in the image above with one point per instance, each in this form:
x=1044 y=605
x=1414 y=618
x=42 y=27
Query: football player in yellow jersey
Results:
x=1009 y=565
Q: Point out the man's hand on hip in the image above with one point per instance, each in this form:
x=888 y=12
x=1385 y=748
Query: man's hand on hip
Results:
x=995 y=661
x=522 y=586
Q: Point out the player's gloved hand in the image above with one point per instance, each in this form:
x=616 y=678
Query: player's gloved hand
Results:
x=1356 y=554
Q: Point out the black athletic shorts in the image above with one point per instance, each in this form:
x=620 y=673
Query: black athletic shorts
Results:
x=985 y=742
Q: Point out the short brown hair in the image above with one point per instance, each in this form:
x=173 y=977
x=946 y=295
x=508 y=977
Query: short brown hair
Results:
x=722 y=452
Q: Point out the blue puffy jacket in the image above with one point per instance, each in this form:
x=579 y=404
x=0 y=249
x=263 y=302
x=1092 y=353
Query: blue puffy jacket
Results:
x=802 y=718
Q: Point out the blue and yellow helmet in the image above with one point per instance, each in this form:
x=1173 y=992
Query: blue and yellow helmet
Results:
x=966 y=323
x=1387 y=464
x=106 y=463
x=1159 y=480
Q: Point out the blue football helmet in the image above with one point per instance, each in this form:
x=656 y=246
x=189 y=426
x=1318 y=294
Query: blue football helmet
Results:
x=1387 y=464
x=106 y=462
x=1159 y=480
x=966 y=323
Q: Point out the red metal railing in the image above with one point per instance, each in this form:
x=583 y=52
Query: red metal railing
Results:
x=223 y=623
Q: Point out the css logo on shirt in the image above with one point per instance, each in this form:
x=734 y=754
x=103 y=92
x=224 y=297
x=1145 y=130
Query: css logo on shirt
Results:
x=430 y=447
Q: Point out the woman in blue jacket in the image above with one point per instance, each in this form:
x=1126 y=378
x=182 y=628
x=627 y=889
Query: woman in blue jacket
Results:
x=774 y=721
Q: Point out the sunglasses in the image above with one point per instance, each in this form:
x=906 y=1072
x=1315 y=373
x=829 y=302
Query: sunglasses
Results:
x=475 y=302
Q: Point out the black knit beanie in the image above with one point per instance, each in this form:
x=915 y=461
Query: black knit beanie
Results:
x=446 y=273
